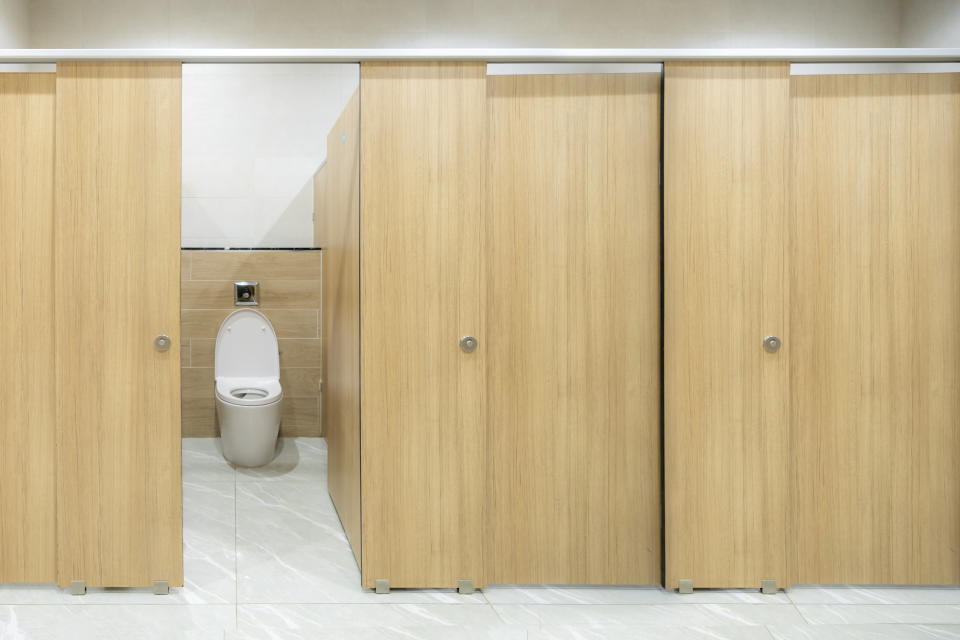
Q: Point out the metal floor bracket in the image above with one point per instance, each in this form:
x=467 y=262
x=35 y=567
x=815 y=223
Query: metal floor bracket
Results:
x=383 y=586
x=78 y=588
x=465 y=587
x=161 y=587
x=768 y=586
x=685 y=586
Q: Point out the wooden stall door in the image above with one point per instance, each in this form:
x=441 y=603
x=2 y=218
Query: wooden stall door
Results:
x=876 y=305
x=726 y=441
x=572 y=251
x=338 y=230
x=422 y=433
x=28 y=454
x=118 y=288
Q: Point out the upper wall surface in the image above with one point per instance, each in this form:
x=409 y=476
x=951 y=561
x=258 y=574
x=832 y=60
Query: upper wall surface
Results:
x=464 y=23
x=930 y=23
x=14 y=26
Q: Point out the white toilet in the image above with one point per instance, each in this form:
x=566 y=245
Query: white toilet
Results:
x=247 y=372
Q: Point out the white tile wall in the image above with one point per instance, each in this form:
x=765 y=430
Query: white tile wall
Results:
x=253 y=136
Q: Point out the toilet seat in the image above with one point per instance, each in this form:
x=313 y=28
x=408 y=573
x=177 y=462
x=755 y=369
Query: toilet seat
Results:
x=249 y=392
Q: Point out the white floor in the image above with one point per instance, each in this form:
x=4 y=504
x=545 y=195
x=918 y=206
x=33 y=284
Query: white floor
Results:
x=265 y=557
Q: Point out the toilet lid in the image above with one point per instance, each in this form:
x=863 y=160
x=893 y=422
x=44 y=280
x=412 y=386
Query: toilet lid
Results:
x=246 y=347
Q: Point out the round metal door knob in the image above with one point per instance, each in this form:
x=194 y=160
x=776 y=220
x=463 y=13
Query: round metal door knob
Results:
x=771 y=344
x=468 y=344
x=162 y=342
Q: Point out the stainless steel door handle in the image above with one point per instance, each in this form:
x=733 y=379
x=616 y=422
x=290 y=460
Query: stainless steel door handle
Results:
x=771 y=344
x=468 y=344
x=162 y=342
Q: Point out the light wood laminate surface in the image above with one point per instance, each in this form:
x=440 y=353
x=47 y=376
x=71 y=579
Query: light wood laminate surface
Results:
x=117 y=278
x=876 y=301
x=422 y=405
x=339 y=232
x=726 y=400
x=572 y=252
x=28 y=455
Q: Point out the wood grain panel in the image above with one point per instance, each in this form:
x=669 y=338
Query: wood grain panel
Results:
x=726 y=400
x=338 y=232
x=876 y=298
x=422 y=436
x=573 y=313
x=255 y=265
x=118 y=229
x=271 y=294
x=319 y=189
x=27 y=424
x=288 y=323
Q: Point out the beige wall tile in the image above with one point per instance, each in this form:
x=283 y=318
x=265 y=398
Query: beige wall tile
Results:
x=301 y=417
x=302 y=382
x=197 y=382
x=299 y=353
x=199 y=418
x=201 y=352
x=256 y=265
x=288 y=323
x=184 y=265
x=184 y=353
x=272 y=294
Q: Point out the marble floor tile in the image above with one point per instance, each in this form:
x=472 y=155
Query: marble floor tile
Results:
x=560 y=594
x=202 y=461
x=128 y=621
x=873 y=595
x=880 y=613
x=385 y=633
x=649 y=632
x=865 y=632
x=300 y=618
x=684 y=615
x=298 y=459
x=292 y=549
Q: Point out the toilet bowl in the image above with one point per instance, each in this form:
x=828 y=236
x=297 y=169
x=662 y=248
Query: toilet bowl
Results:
x=249 y=397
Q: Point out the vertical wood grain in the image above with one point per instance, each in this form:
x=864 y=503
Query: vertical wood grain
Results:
x=726 y=442
x=117 y=274
x=27 y=402
x=339 y=228
x=422 y=405
x=572 y=247
x=876 y=301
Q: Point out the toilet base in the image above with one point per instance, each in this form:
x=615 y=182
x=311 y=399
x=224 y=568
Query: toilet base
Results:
x=248 y=434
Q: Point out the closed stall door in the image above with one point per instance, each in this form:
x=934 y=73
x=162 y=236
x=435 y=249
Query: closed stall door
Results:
x=726 y=440
x=876 y=302
x=422 y=447
x=572 y=235
x=118 y=289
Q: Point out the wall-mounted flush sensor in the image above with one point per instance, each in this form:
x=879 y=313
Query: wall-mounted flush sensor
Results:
x=245 y=294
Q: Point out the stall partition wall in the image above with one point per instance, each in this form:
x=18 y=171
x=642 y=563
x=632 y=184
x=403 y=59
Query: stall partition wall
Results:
x=27 y=427
x=843 y=471
x=337 y=187
x=726 y=400
x=875 y=300
x=117 y=237
x=422 y=401
x=534 y=457
x=572 y=263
